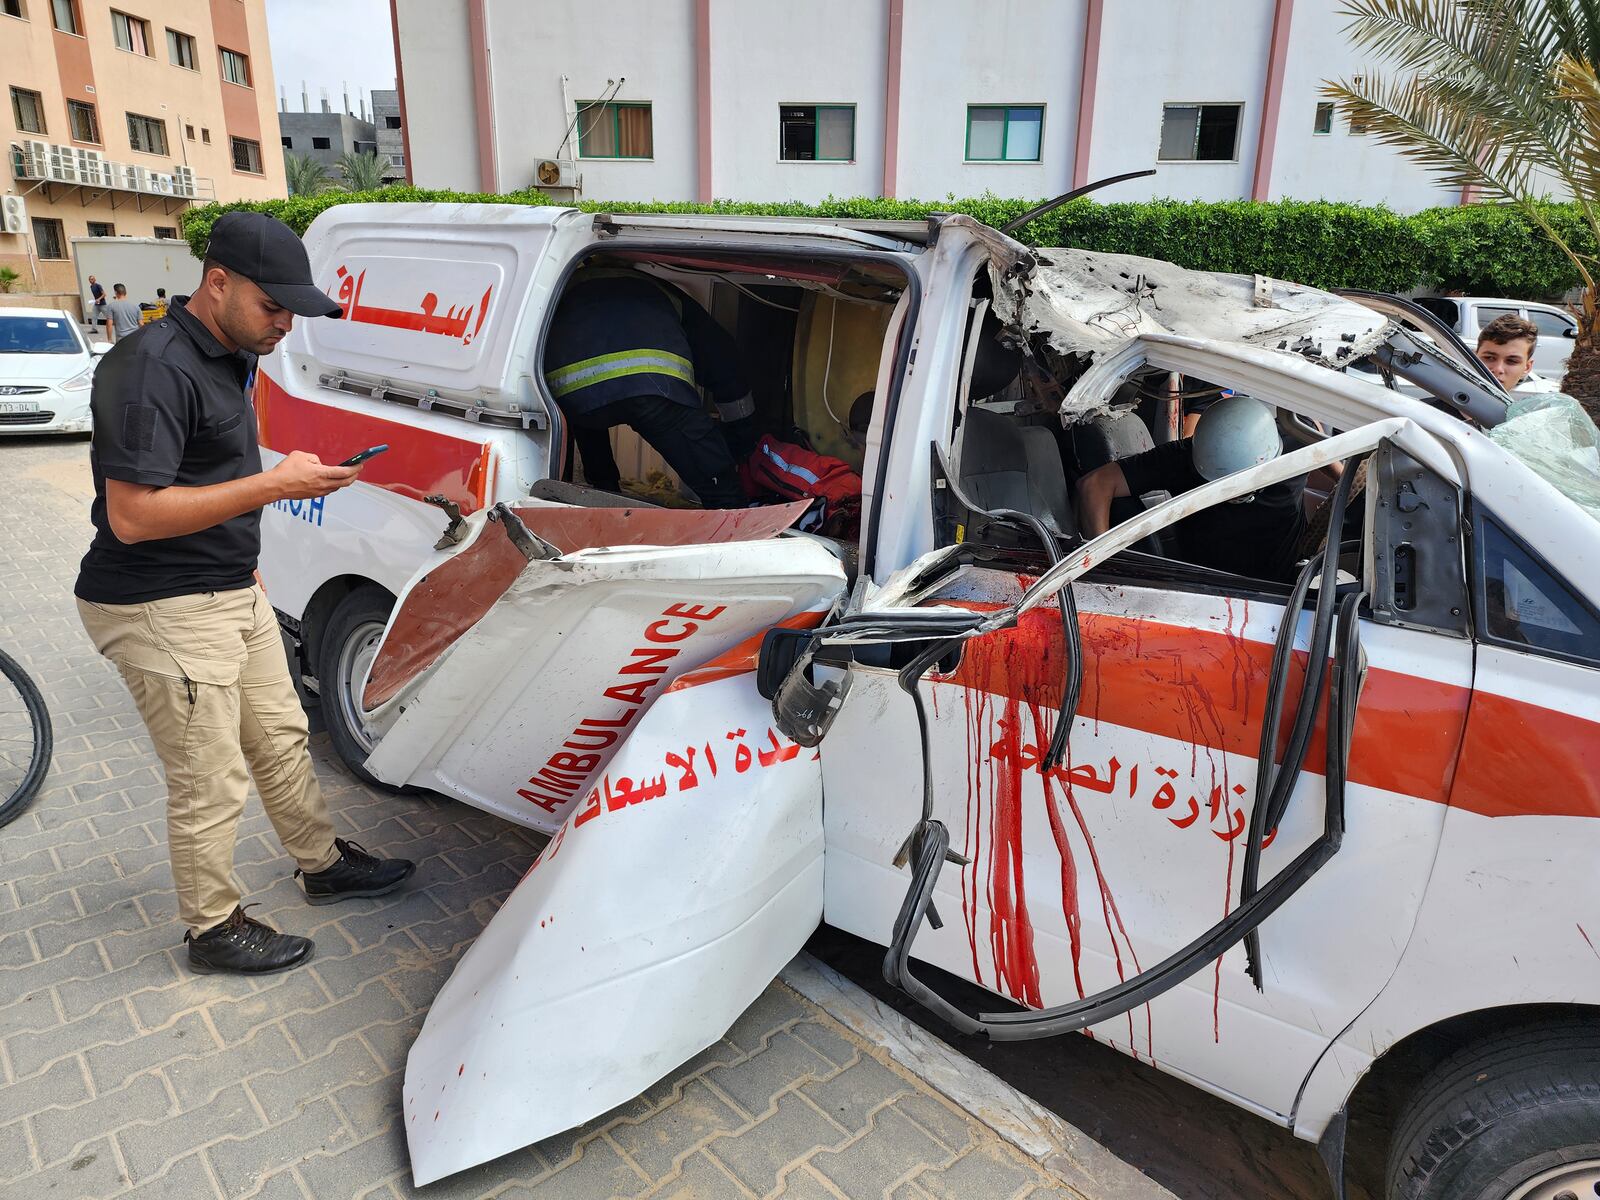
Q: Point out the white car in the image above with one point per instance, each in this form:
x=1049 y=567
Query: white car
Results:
x=46 y=372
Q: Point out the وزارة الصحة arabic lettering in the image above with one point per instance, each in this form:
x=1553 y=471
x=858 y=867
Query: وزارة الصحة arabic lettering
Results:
x=452 y=323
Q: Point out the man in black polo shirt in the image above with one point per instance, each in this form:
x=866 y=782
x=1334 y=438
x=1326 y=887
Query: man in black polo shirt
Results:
x=1254 y=536
x=169 y=592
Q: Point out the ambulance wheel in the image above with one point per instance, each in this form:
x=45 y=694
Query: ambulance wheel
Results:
x=344 y=656
x=1517 y=1118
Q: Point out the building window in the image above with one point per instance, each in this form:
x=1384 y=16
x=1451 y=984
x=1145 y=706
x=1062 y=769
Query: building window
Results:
x=1200 y=132
x=65 y=14
x=148 y=135
x=130 y=33
x=391 y=122
x=49 y=238
x=85 y=122
x=1324 y=122
x=1004 y=134
x=188 y=132
x=180 y=50
x=169 y=232
x=235 y=68
x=288 y=143
x=247 y=156
x=102 y=229
x=205 y=135
x=321 y=143
x=28 y=109
x=12 y=8
x=817 y=132
x=398 y=160
x=615 y=130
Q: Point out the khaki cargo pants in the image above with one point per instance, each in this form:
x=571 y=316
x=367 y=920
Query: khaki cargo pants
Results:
x=211 y=680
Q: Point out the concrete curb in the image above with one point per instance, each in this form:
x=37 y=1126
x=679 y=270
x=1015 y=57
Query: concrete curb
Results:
x=1069 y=1154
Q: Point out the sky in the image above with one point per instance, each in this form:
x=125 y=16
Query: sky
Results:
x=329 y=43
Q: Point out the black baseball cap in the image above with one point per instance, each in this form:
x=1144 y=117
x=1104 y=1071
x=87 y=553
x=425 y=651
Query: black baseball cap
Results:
x=267 y=253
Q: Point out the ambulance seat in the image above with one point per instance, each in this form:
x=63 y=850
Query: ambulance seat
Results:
x=1005 y=464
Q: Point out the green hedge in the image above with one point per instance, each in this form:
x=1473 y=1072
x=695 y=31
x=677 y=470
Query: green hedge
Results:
x=1481 y=249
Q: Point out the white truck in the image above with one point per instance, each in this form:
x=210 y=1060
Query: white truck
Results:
x=1317 y=845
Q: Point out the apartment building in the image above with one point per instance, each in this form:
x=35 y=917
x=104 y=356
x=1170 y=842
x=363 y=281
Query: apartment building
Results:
x=703 y=99
x=391 y=134
x=123 y=113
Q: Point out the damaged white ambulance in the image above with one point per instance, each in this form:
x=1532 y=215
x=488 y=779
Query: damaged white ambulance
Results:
x=1341 y=857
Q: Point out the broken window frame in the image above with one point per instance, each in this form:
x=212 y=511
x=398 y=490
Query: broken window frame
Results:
x=816 y=132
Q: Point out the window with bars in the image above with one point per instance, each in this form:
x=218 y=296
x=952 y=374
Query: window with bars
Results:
x=235 y=68
x=102 y=229
x=49 y=239
x=65 y=15
x=615 y=130
x=817 y=132
x=27 y=109
x=169 y=232
x=130 y=33
x=148 y=135
x=181 y=50
x=85 y=122
x=1200 y=132
x=247 y=156
x=1004 y=133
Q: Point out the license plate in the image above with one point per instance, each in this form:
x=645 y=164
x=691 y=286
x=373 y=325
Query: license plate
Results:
x=19 y=406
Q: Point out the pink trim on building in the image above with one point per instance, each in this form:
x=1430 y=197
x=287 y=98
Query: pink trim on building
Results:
x=891 y=97
x=1272 y=99
x=483 y=95
x=1088 y=80
x=400 y=86
x=702 y=87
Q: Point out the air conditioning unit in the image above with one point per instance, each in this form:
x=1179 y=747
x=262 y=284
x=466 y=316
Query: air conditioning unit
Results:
x=13 y=214
x=63 y=164
x=114 y=175
x=138 y=177
x=162 y=185
x=557 y=174
x=183 y=181
x=36 y=156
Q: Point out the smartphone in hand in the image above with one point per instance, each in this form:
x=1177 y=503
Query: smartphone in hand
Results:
x=355 y=460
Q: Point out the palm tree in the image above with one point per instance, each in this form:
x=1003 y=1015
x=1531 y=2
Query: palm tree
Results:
x=305 y=174
x=362 y=172
x=1502 y=97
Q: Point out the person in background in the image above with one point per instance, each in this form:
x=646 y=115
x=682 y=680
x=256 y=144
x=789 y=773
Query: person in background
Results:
x=122 y=314
x=97 y=303
x=1506 y=345
x=154 y=312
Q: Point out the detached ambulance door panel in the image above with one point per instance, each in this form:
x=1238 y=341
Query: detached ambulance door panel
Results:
x=1135 y=845
x=511 y=684
x=657 y=913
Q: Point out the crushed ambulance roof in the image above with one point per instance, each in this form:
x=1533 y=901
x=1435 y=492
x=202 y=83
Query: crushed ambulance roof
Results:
x=1086 y=303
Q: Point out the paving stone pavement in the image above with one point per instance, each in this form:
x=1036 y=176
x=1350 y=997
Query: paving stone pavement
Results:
x=122 y=1074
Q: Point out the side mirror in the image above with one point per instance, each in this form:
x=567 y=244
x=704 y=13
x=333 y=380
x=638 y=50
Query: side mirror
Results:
x=98 y=348
x=1571 y=331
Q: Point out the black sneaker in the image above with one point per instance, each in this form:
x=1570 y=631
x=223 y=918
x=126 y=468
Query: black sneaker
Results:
x=244 y=945
x=357 y=873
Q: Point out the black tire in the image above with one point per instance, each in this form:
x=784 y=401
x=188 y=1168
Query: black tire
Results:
x=1496 y=1117
x=353 y=628
x=24 y=749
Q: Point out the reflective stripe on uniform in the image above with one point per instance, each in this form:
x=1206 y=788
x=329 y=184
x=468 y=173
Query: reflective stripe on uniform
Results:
x=613 y=366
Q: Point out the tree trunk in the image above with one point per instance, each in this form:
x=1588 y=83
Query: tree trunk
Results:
x=1582 y=381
